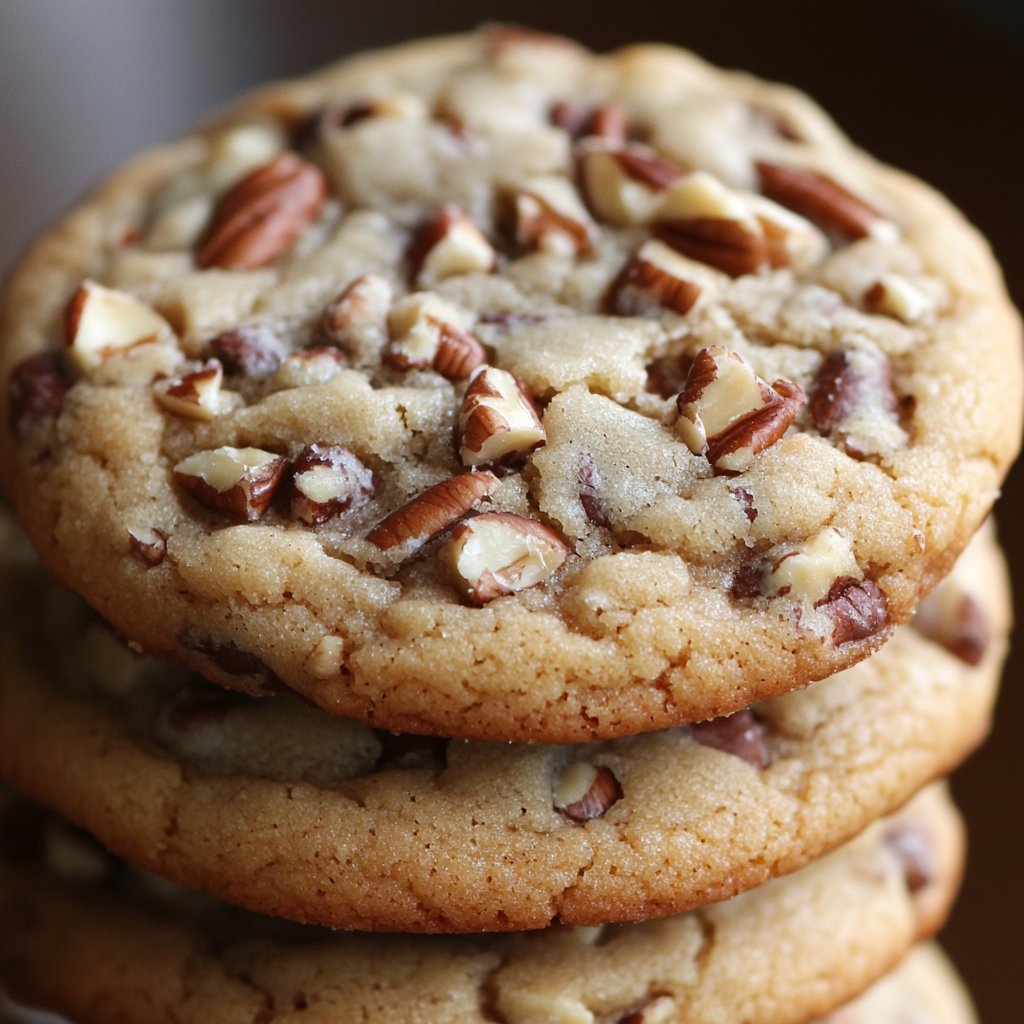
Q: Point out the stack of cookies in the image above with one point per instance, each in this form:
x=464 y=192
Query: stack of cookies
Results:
x=504 y=485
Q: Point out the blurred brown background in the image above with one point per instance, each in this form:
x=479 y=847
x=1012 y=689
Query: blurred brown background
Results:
x=934 y=86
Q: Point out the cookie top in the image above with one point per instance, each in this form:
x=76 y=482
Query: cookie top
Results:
x=488 y=388
x=132 y=950
x=276 y=806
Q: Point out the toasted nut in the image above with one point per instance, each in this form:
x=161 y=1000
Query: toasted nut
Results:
x=733 y=246
x=425 y=332
x=953 y=618
x=895 y=296
x=659 y=1010
x=239 y=482
x=357 y=319
x=501 y=553
x=36 y=391
x=809 y=572
x=652 y=281
x=729 y=414
x=585 y=791
x=148 y=544
x=194 y=395
x=253 y=350
x=328 y=480
x=261 y=217
x=824 y=201
x=608 y=121
x=437 y=508
x=741 y=735
x=230 y=658
x=100 y=322
x=498 y=419
x=857 y=609
x=853 y=401
x=448 y=244
x=622 y=182
x=915 y=850
x=666 y=375
x=549 y=216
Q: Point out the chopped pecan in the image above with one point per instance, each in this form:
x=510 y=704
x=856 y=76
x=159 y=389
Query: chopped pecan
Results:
x=585 y=791
x=37 y=389
x=326 y=481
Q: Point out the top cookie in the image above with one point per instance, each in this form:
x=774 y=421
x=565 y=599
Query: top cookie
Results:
x=490 y=388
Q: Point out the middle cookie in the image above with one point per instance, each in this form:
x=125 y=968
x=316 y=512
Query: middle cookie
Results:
x=277 y=806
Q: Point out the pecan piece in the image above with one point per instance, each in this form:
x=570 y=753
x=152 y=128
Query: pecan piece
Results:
x=251 y=350
x=820 y=199
x=500 y=553
x=258 y=220
x=326 y=481
x=149 y=545
x=432 y=511
x=231 y=658
x=239 y=482
x=357 y=318
x=951 y=617
x=549 y=216
x=448 y=244
x=36 y=389
x=731 y=246
x=194 y=395
x=858 y=609
x=425 y=333
x=591 y=490
x=622 y=182
x=653 y=280
x=498 y=419
x=585 y=791
x=915 y=851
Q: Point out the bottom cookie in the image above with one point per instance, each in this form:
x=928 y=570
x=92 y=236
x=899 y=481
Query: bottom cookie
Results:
x=93 y=939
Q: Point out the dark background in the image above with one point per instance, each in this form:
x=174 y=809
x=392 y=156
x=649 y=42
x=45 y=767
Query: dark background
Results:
x=933 y=86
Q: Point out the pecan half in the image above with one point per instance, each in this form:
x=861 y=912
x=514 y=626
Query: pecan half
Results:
x=258 y=220
x=820 y=199
x=36 y=390
x=585 y=791
x=326 y=481
x=732 y=246
x=432 y=511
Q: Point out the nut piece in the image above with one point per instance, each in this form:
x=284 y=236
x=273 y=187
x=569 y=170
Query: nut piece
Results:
x=741 y=735
x=239 y=482
x=608 y=121
x=309 y=367
x=652 y=281
x=729 y=414
x=585 y=791
x=357 y=319
x=501 y=553
x=659 y=1010
x=432 y=511
x=915 y=851
x=449 y=243
x=36 y=391
x=734 y=232
x=100 y=322
x=231 y=658
x=590 y=484
x=823 y=201
x=194 y=395
x=254 y=350
x=328 y=480
x=953 y=618
x=260 y=218
x=498 y=419
x=857 y=610
x=622 y=182
x=425 y=333
x=148 y=544
x=895 y=296
x=549 y=216
x=809 y=573
x=853 y=401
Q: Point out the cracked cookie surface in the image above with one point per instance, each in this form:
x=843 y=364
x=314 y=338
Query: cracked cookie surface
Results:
x=274 y=805
x=488 y=388
x=90 y=937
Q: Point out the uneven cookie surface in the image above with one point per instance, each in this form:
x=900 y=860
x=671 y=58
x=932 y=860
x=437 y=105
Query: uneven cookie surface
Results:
x=129 y=950
x=274 y=805
x=725 y=395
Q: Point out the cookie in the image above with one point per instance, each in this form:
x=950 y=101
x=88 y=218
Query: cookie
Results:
x=132 y=950
x=923 y=989
x=488 y=388
x=276 y=806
